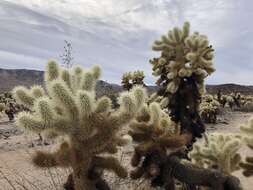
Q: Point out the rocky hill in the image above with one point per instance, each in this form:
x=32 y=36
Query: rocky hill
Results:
x=11 y=78
x=230 y=88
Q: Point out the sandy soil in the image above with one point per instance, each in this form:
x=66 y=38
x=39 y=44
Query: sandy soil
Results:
x=17 y=172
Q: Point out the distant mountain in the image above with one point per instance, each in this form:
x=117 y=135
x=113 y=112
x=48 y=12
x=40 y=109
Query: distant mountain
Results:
x=12 y=77
x=9 y=78
x=230 y=88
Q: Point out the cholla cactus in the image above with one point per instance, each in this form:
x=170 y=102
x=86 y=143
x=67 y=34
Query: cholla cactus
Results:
x=247 y=131
x=230 y=101
x=221 y=152
x=183 y=55
x=89 y=125
x=223 y=100
x=130 y=79
x=155 y=135
x=138 y=77
x=209 y=108
x=126 y=81
x=185 y=61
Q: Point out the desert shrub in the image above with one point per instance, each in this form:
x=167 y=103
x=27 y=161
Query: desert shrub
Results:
x=88 y=125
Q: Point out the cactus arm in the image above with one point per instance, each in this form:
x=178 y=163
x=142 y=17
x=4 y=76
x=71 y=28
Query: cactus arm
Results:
x=59 y=158
x=44 y=159
x=29 y=122
x=173 y=142
x=110 y=163
x=103 y=105
x=141 y=127
x=248 y=167
x=23 y=96
x=139 y=137
x=61 y=94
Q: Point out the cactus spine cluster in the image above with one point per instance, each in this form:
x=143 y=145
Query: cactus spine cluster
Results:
x=247 y=131
x=183 y=55
x=221 y=153
x=89 y=126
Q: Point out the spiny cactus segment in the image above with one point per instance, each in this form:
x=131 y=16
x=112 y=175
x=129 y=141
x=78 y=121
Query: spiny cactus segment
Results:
x=221 y=153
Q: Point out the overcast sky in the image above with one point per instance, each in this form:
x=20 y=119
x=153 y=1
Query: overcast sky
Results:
x=118 y=34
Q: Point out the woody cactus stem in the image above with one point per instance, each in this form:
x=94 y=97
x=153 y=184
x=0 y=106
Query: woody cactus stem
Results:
x=184 y=107
x=201 y=177
x=88 y=125
x=185 y=61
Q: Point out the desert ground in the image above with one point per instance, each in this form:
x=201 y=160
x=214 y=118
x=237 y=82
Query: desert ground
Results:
x=17 y=171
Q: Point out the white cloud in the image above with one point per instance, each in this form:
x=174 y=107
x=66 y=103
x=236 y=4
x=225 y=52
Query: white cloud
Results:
x=118 y=33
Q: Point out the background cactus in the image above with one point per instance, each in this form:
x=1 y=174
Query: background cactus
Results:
x=138 y=77
x=220 y=152
x=9 y=105
x=209 y=108
x=230 y=101
x=247 y=131
x=223 y=100
x=89 y=125
x=130 y=79
x=126 y=81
